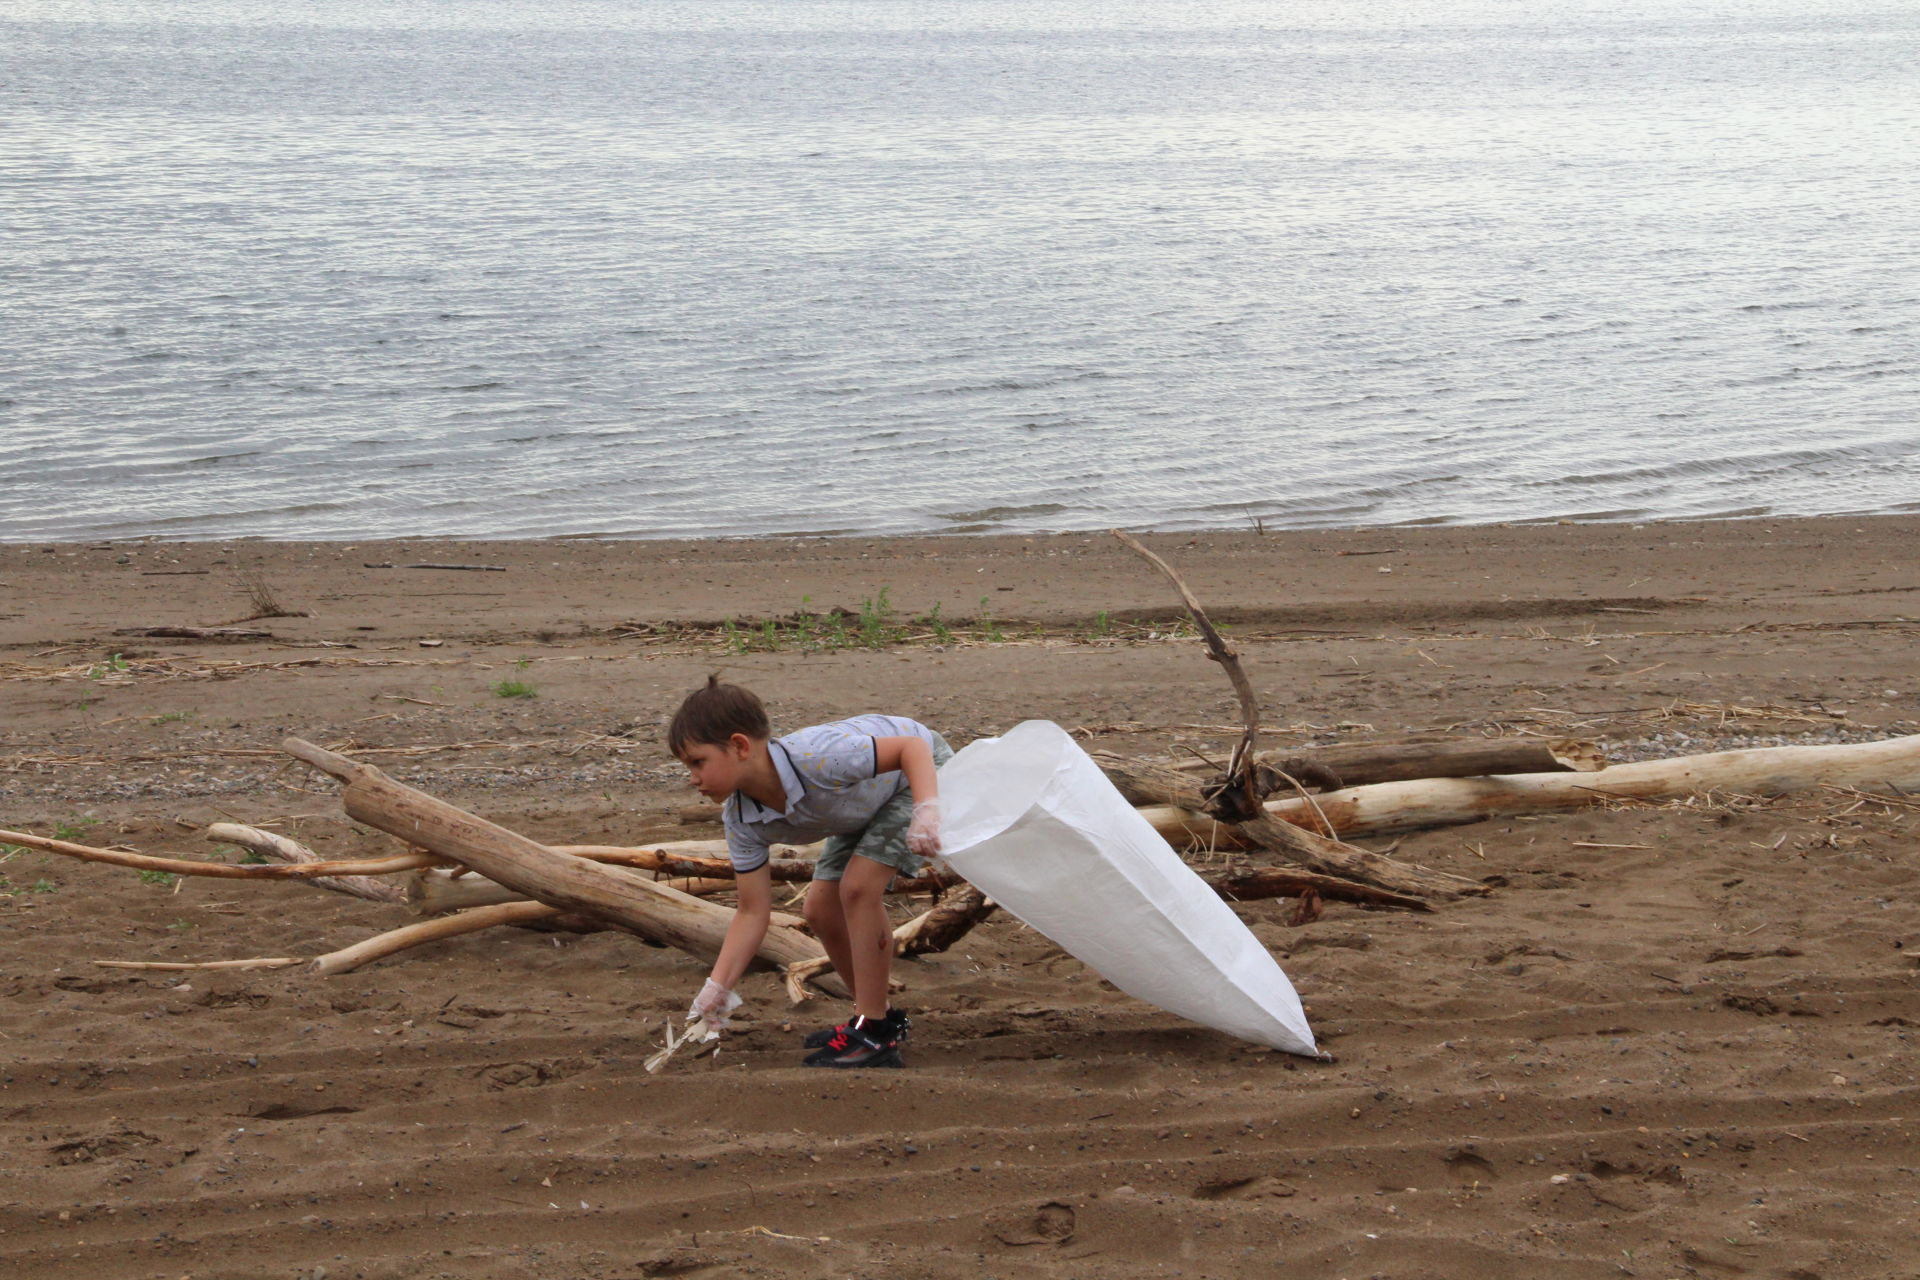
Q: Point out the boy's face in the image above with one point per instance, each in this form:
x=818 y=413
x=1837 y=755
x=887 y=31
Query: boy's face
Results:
x=716 y=767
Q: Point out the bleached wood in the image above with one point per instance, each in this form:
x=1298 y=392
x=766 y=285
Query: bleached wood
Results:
x=350 y=958
x=1316 y=851
x=545 y=875
x=1389 y=807
x=271 y=844
x=433 y=892
x=220 y=870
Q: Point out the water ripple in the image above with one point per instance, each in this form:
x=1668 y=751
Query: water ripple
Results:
x=743 y=267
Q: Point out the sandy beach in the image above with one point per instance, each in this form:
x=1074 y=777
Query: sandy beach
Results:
x=1674 y=1040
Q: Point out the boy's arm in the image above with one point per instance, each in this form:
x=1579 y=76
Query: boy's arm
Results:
x=754 y=891
x=914 y=757
x=911 y=756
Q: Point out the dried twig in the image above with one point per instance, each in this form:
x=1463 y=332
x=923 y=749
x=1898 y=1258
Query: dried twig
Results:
x=172 y=966
x=221 y=870
x=1240 y=767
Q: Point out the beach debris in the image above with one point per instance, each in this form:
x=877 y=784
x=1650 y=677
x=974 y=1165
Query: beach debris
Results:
x=697 y=1034
x=279 y=848
x=469 y=568
x=1890 y=764
x=223 y=870
x=264 y=602
x=627 y=901
x=486 y=876
x=1430 y=756
x=1235 y=797
x=200 y=633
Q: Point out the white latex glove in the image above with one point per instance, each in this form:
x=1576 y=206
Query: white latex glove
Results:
x=923 y=833
x=714 y=1003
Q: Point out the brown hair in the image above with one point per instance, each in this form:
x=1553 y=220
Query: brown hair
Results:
x=714 y=714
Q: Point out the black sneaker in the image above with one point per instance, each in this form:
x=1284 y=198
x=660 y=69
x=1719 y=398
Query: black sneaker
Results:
x=861 y=1043
x=822 y=1038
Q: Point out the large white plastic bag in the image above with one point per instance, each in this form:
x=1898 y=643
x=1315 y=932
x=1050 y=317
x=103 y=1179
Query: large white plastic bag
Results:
x=1030 y=819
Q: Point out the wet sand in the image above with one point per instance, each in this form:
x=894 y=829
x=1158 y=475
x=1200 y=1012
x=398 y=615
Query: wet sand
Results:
x=1673 y=1041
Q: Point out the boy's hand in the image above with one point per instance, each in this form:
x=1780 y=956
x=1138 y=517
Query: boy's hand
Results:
x=923 y=833
x=714 y=1003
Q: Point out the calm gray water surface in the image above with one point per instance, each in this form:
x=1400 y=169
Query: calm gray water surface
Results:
x=487 y=268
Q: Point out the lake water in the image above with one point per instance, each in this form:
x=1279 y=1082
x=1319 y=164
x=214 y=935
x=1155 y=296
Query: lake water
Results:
x=489 y=268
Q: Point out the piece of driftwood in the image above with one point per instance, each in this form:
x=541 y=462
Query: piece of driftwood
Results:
x=545 y=875
x=1358 y=764
x=1891 y=764
x=1281 y=882
x=350 y=958
x=271 y=844
x=447 y=891
x=432 y=893
x=1325 y=854
x=699 y=1035
x=1150 y=782
x=950 y=919
x=688 y=858
x=223 y=870
x=1236 y=796
x=183 y=966
x=437 y=890
x=525 y=913
x=197 y=633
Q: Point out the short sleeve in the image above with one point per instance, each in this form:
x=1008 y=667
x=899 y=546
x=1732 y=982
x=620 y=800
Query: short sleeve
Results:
x=746 y=850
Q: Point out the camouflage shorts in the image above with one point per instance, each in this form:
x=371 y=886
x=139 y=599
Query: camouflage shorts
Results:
x=884 y=838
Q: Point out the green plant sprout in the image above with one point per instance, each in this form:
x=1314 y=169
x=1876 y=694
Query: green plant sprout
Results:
x=988 y=626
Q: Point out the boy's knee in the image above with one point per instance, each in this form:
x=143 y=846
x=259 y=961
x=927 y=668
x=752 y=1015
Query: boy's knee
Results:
x=822 y=905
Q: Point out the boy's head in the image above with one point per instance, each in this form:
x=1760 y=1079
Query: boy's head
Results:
x=711 y=716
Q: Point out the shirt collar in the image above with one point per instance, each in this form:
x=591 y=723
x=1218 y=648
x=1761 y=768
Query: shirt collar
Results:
x=751 y=810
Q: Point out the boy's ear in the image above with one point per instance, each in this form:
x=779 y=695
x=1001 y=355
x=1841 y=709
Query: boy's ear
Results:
x=741 y=745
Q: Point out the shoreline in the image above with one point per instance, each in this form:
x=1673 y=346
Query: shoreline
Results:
x=1257 y=528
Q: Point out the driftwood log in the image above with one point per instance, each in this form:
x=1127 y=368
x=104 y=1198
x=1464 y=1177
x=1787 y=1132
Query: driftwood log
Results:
x=350 y=958
x=271 y=844
x=1326 y=854
x=222 y=870
x=1892 y=764
x=198 y=633
x=1358 y=764
x=436 y=890
x=432 y=893
x=1237 y=797
x=570 y=883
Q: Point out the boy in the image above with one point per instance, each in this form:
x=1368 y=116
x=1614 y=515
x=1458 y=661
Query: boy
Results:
x=866 y=784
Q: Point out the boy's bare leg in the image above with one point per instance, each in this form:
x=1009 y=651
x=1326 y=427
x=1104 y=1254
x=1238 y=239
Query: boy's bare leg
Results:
x=825 y=916
x=869 y=934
